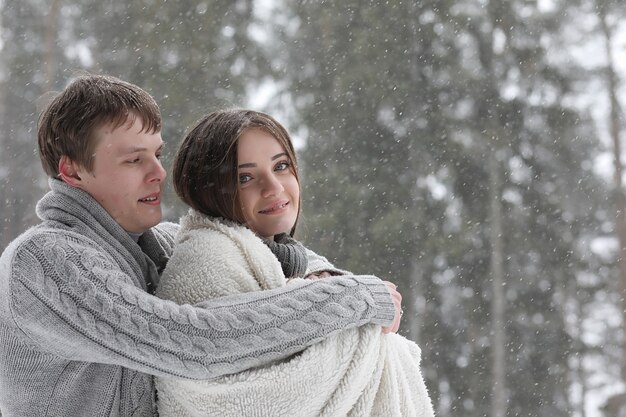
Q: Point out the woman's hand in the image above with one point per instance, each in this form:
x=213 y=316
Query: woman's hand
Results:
x=397 y=302
x=319 y=275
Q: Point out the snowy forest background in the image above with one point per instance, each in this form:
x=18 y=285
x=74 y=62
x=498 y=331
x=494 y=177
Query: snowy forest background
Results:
x=463 y=149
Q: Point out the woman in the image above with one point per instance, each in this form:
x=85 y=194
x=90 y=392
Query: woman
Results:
x=237 y=170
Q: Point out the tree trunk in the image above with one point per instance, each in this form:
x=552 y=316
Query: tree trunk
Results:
x=414 y=311
x=498 y=400
x=52 y=28
x=620 y=198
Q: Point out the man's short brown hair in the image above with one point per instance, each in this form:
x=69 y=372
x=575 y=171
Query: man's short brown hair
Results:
x=67 y=127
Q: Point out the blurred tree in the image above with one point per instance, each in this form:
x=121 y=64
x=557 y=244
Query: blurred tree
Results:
x=410 y=109
x=30 y=59
x=610 y=12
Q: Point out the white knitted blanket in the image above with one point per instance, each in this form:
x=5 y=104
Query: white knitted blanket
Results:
x=358 y=372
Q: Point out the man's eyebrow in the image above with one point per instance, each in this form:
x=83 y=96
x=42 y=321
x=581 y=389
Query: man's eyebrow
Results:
x=133 y=149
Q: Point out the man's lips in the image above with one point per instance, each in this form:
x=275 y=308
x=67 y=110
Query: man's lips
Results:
x=151 y=199
x=275 y=208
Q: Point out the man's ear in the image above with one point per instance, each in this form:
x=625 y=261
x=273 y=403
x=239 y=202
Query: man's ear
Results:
x=70 y=172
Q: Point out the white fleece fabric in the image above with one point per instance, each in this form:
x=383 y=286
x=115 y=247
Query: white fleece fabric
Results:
x=357 y=372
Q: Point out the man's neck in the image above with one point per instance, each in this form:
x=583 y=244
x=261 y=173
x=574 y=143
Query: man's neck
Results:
x=135 y=236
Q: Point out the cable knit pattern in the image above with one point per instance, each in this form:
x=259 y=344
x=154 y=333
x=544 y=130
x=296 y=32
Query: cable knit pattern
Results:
x=358 y=372
x=80 y=336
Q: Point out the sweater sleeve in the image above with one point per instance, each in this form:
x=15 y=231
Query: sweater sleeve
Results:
x=318 y=263
x=73 y=301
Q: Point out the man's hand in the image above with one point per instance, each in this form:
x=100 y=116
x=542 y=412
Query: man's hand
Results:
x=397 y=302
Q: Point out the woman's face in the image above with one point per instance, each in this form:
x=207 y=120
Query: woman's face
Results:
x=269 y=193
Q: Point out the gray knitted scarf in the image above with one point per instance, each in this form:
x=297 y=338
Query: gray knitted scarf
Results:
x=290 y=253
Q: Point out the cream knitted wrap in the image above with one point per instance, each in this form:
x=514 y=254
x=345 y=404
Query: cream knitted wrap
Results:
x=357 y=372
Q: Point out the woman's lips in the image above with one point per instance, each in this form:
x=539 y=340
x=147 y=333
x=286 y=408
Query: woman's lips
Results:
x=275 y=208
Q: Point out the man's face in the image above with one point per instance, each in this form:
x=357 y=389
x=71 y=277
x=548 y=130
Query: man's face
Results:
x=127 y=175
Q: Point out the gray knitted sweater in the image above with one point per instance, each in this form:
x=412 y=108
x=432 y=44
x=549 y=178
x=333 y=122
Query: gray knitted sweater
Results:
x=81 y=336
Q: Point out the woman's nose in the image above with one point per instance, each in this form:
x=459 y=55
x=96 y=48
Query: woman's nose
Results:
x=271 y=186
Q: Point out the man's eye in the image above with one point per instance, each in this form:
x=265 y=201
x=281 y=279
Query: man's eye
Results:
x=133 y=161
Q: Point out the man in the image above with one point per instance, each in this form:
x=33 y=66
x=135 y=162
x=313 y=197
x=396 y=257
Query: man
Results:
x=80 y=332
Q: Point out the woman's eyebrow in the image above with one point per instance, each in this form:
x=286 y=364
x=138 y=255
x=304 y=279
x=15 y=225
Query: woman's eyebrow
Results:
x=247 y=165
x=253 y=164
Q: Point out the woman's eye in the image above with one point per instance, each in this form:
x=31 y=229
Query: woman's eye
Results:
x=282 y=165
x=244 y=178
x=133 y=161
